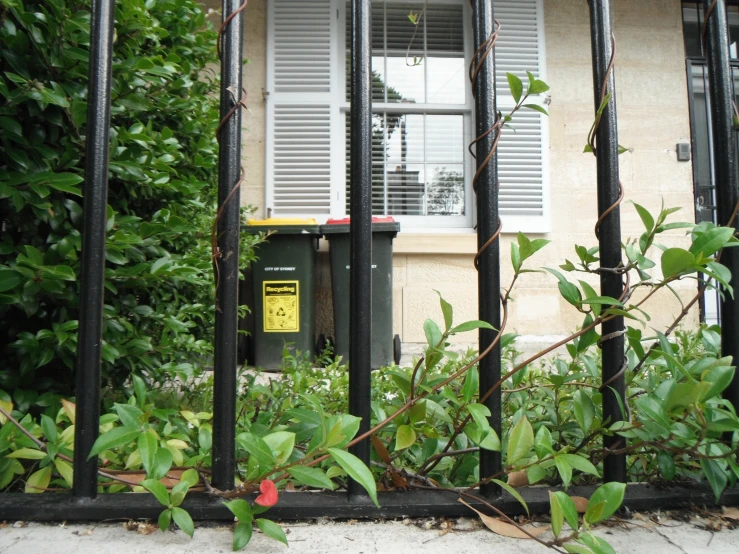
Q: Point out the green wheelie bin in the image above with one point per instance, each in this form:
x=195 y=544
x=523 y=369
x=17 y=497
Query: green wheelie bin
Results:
x=280 y=290
x=385 y=346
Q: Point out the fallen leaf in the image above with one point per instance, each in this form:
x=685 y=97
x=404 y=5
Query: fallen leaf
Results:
x=581 y=504
x=505 y=529
x=731 y=513
x=518 y=479
x=290 y=487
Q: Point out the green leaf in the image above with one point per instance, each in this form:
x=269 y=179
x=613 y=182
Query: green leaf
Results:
x=311 y=476
x=654 y=411
x=433 y=333
x=9 y=279
x=711 y=241
x=356 y=470
x=179 y=491
x=646 y=217
x=157 y=489
x=480 y=414
x=241 y=509
x=405 y=437
x=520 y=441
x=513 y=492
x=65 y=470
x=162 y=463
x=579 y=463
x=281 y=442
x=584 y=410
x=147 y=445
x=471 y=326
x=666 y=465
x=190 y=476
x=471 y=384
x=536 y=107
x=447 y=311
x=610 y=495
x=564 y=469
x=57 y=273
x=242 y=535
x=27 y=454
x=272 y=530
x=715 y=475
x=183 y=521
x=568 y=291
x=516 y=87
x=38 y=481
x=118 y=436
x=165 y=518
x=256 y=447
x=676 y=261
x=602 y=300
x=567 y=507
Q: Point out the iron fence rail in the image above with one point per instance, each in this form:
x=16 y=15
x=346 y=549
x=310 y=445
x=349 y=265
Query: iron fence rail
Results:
x=83 y=503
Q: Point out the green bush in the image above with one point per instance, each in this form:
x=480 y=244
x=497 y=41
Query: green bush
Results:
x=159 y=287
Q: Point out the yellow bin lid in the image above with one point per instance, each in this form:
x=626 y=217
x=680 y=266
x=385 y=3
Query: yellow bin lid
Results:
x=275 y=221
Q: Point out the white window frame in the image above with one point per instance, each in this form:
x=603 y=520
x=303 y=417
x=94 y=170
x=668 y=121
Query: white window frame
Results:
x=339 y=108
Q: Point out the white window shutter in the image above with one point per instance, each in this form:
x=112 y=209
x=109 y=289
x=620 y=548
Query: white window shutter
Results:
x=300 y=110
x=523 y=148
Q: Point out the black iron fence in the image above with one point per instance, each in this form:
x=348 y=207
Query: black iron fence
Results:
x=84 y=504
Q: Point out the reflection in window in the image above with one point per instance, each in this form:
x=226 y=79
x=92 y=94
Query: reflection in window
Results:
x=417 y=164
x=421 y=63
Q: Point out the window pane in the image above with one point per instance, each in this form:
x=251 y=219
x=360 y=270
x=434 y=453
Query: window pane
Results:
x=445 y=190
x=444 y=29
x=447 y=79
x=444 y=138
x=405 y=80
x=402 y=34
x=405 y=135
x=417 y=164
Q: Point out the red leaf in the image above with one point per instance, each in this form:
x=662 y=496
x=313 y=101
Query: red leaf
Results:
x=269 y=494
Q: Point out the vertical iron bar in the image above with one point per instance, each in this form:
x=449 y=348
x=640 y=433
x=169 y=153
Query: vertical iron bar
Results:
x=360 y=273
x=601 y=29
x=724 y=150
x=488 y=279
x=229 y=171
x=92 y=270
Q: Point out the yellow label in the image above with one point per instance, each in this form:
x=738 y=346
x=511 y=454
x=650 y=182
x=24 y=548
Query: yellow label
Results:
x=281 y=306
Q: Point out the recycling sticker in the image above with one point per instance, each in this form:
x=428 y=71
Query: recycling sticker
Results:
x=281 y=306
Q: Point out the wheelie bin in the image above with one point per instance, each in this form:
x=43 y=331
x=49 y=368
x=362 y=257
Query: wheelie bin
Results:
x=281 y=287
x=385 y=346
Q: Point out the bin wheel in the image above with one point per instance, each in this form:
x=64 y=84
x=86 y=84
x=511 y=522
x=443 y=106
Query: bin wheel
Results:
x=396 y=349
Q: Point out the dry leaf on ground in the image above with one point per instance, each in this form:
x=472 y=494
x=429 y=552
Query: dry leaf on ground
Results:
x=731 y=513
x=506 y=529
x=518 y=479
x=581 y=504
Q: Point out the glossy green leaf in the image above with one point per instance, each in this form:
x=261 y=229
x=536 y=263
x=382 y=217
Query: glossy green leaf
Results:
x=272 y=530
x=165 y=519
x=584 y=410
x=356 y=470
x=183 y=521
x=157 y=489
x=38 y=481
x=520 y=441
x=610 y=495
x=114 y=438
x=405 y=437
x=311 y=476
x=242 y=535
x=516 y=86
